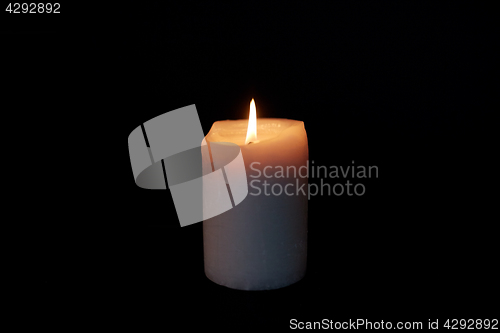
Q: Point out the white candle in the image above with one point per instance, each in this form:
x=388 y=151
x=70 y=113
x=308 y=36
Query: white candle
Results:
x=261 y=243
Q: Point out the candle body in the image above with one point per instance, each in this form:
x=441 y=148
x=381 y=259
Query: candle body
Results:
x=261 y=243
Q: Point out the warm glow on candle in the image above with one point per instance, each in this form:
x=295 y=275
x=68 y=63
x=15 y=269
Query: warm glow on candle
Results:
x=252 y=124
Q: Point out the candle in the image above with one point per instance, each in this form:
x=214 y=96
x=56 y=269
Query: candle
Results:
x=261 y=243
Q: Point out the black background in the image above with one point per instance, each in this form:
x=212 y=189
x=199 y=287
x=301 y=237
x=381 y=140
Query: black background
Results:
x=400 y=85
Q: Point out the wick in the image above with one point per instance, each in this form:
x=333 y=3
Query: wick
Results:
x=250 y=142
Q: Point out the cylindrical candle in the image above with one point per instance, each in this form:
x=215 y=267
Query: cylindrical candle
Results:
x=261 y=243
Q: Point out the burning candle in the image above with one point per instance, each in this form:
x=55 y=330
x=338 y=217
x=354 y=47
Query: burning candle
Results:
x=261 y=243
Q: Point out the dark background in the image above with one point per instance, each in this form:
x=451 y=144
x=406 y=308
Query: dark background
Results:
x=404 y=86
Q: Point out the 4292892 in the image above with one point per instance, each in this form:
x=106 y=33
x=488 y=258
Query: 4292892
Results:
x=471 y=324
x=34 y=8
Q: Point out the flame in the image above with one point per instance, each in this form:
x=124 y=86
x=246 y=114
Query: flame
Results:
x=252 y=124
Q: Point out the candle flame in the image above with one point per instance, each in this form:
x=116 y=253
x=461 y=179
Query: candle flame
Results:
x=252 y=124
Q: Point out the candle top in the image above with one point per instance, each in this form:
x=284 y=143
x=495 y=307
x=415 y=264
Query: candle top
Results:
x=235 y=131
